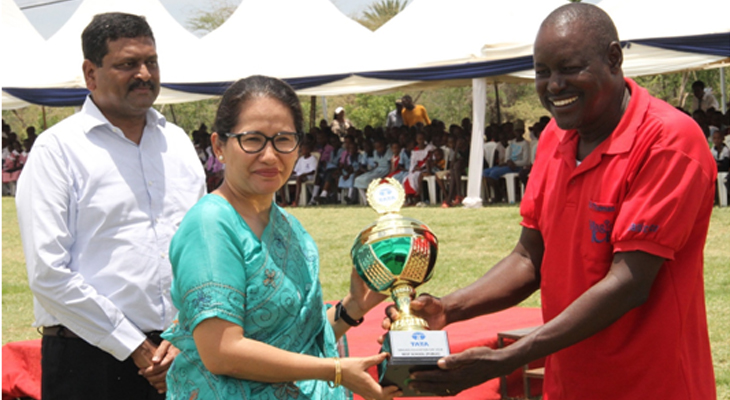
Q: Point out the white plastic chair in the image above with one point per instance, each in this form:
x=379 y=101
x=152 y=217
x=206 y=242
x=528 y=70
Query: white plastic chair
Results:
x=721 y=189
x=510 y=178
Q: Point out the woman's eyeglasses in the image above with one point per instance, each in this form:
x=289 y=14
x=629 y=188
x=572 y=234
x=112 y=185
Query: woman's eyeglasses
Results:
x=255 y=141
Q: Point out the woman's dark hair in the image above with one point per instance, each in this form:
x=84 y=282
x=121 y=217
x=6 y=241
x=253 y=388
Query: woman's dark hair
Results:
x=109 y=27
x=255 y=86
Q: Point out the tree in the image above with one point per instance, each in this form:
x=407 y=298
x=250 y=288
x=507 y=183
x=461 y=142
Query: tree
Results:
x=207 y=20
x=381 y=12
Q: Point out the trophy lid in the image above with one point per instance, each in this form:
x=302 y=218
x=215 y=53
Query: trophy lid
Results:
x=386 y=196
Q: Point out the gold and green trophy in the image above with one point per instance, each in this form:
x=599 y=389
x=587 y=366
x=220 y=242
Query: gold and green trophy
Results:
x=394 y=255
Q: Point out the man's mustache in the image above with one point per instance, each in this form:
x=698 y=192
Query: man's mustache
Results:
x=141 y=83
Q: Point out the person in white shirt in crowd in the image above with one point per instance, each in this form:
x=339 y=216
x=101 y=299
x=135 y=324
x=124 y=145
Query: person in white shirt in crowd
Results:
x=340 y=124
x=304 y=170
x=395 y=119
x=516 y=157
x=99 y=200
x=703 y=97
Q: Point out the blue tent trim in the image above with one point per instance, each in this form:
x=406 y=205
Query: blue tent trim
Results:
x=462 y=71
x=57 y=97
x=714 y=44
x=210 y=88
x=217 y=88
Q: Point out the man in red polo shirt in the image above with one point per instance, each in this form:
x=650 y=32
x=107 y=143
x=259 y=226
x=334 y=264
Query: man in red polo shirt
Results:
x=614 y=225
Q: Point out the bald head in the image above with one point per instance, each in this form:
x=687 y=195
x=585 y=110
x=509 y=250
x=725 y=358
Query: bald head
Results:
x=591 y=20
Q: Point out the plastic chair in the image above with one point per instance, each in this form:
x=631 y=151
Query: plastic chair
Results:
x=511 y=189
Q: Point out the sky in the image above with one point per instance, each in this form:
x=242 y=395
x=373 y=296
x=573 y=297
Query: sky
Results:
x=47 y=19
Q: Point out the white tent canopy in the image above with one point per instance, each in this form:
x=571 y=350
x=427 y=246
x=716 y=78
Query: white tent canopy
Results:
x=56 y=63
x=25 y=38
x=434 y=32
x=285 y=38
x=702 y=17
x=282 y=38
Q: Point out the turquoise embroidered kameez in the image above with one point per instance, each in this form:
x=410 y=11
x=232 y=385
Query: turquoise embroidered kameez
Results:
x=270 y=287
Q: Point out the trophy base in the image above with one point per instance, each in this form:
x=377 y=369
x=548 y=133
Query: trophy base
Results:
x=411 y=351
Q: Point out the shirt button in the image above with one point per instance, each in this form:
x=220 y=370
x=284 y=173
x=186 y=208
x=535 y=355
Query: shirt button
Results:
x=162 y=255
x=149 y=183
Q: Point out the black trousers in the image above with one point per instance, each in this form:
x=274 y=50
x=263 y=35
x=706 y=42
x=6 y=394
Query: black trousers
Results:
x=72 y=369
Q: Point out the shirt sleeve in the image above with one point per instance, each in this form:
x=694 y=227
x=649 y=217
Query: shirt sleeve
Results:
x=425 y=116
x=663 y=199
x=45 y=213
x=208 y=266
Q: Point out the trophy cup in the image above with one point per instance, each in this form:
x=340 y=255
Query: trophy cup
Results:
x=394 y=255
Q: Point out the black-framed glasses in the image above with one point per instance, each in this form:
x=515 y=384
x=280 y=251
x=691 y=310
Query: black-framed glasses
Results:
x=255 y=141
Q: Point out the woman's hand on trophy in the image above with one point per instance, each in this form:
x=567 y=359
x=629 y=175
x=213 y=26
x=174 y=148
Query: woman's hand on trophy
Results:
x=361 y=296
x=355 y=376
x=460 y=371
x=425 y=306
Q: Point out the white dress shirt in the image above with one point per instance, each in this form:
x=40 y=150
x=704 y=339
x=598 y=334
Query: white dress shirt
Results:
x=97 y=213
x=708 y=101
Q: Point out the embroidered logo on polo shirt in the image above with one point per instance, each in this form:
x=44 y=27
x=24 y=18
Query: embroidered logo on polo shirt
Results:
x=600 y=208
x=600 y=233
x=643 y=228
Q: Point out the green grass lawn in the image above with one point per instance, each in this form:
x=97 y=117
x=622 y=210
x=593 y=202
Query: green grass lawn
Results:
x=470 y=241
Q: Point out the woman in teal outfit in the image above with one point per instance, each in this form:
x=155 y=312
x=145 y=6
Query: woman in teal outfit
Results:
x=251 y=322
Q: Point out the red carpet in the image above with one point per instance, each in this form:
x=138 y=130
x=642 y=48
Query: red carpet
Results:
x=480 y=331
x=22 y=369
x=21 y=360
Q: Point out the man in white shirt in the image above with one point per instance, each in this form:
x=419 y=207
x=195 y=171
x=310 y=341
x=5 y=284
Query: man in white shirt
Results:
x=515 y=157
x=101 y=195
x=703 y=97
x=395 y=119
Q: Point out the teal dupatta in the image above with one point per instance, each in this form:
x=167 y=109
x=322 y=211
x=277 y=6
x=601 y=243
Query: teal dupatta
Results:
x=270 y=287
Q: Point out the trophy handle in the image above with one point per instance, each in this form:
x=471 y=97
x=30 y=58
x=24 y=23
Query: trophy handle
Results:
x=402 y=293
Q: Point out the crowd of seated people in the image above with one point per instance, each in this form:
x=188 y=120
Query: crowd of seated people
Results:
x=348 y=164
x=338 y=167
x=14 y=157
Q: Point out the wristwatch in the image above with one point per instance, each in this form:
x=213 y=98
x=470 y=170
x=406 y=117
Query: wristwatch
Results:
x=341 y=313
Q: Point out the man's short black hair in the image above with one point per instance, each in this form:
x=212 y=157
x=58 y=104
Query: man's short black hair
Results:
x=109 y=27
x=698 y=84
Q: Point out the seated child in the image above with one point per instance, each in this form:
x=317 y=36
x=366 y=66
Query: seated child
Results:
x=331 y=173
x=304 y=171
x=349 y=165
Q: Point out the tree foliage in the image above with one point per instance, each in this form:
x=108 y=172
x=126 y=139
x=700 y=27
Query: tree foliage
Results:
x=381 y=12
x=207 y=20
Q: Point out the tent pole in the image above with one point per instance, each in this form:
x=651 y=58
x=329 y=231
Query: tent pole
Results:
x=324 y=108
x=723 y=89
x=45 y=124
x=312 y=111
x=496 y=94
x=172 y=111
x=476 y=154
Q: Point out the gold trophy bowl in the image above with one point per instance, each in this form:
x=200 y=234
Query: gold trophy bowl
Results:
x=395 y=255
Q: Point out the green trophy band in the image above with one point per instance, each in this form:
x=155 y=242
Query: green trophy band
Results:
x=394 y=255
